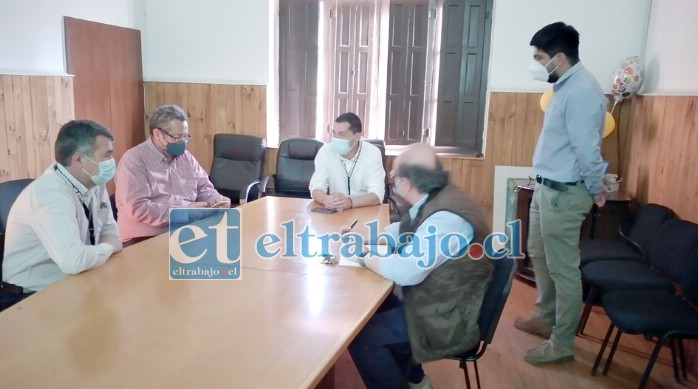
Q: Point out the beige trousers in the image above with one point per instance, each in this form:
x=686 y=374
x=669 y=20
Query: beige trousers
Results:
x=553 y=245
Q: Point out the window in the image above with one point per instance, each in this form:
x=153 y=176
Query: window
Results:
x=413 y=70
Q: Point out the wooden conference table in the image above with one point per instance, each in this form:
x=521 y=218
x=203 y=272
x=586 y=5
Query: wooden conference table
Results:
x=125 y=324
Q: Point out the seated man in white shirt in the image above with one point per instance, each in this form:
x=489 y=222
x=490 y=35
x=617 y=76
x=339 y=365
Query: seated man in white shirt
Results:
x=349 y=169
x=436 y=303
x=62 y=223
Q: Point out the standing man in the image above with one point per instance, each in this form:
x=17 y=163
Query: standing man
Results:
x=349 y=169
x=570 y=173
x=160 y=174
x=62 y=223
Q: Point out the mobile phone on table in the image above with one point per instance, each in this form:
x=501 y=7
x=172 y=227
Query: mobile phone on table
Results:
x=323 y=210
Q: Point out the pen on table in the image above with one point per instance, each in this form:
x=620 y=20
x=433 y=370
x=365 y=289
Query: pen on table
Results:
x=353 y=224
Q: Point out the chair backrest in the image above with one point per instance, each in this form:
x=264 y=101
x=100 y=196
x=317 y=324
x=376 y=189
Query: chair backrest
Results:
x=9 y=190
x=112 y=202
x=647 y=221
x=237 y=160
x=295 y=165
x=381 y=146
x=495 y=297
x=673 y=244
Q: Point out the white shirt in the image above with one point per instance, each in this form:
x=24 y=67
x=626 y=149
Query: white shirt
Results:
x=410 y=270
x=48 y=235
x=365 y=169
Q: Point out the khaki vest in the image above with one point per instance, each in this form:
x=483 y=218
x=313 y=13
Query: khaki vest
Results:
x=443 y=310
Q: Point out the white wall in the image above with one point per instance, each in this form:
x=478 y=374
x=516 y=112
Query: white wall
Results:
x=212 y=41
x=31 y=31
x=610 y=30
x=671 y=64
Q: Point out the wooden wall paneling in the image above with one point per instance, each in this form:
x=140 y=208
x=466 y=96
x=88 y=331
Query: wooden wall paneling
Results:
x=660 y=155
x=270 y=163
x=4 y=149
x=212 y=109
x=32 y=109
x=27 y=121
x=15 y=126
x=38 y=145
x=233 y=111
x=8 y=164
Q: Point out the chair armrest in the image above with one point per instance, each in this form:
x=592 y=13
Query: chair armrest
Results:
x=263 y=185
x=624 y=232
x=245 y=192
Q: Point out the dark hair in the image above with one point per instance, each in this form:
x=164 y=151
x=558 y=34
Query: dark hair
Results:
x=353 y=120
x=78 y=136
x=558 y=38
x=425 y=180
x=164 y=115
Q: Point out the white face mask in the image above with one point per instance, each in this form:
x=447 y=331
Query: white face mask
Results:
x=341 y=146
x=540 y=72
x=107 y=170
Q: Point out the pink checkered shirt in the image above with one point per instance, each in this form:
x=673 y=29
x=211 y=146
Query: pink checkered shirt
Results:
x=147 y=186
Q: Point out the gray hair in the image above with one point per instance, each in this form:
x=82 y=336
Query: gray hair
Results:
x=78 y=136
x=162 y=117
x=424 y=179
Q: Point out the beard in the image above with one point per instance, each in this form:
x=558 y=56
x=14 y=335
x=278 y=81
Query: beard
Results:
x=552 y=78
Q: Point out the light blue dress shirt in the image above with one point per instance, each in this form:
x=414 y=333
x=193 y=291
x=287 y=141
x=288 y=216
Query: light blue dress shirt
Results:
x=569 y=147
x=410 y=270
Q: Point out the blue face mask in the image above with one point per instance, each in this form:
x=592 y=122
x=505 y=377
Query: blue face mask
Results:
x=341 y=146
x=176 y=149
x=107 y=170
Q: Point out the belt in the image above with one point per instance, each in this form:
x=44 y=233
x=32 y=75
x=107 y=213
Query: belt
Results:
x=6 y=287
x=558 y=186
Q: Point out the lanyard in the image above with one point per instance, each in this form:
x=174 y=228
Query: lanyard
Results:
x=351 y=172
x=88 y=213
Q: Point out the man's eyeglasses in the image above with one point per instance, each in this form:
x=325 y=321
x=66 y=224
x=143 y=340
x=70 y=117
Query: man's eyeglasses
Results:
x=180 y=139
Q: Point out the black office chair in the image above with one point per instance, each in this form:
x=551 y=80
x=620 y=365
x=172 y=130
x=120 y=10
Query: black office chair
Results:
x=112 y=202
x=661 y=314
x=398 y=205
x=295 y=165
x=635 y=246
x=635 y=241
x=9 y=190
x=237 y=166
x=673 y=243
x=490 y=312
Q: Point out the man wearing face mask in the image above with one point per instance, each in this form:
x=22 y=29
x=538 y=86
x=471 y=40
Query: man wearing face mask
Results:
x=570 y=173
x=348 y=172
x=62 y=223
x=160 y=174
